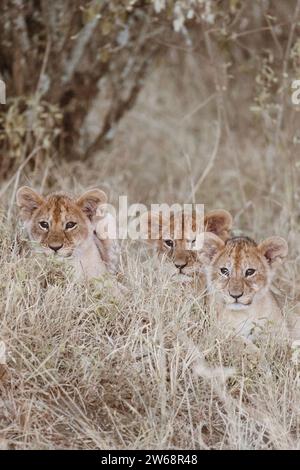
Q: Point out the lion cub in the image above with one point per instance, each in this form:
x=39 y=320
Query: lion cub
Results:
x=178 y=236
x=239 y=277
x=66 y=227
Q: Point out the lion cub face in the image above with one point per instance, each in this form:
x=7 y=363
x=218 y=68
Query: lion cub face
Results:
x=59 y=223
x=240 y=271
x=178 y=236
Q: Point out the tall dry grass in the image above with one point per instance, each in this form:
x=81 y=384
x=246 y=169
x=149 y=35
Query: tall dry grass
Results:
x=88 y=368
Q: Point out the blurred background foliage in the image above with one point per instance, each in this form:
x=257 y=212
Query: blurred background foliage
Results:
x=59 y=58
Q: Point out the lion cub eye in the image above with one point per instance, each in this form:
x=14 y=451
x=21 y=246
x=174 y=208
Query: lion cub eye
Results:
x=70 y=225
x=249 y=272
x=224 y=271
x=44 y=225
x=169 y=243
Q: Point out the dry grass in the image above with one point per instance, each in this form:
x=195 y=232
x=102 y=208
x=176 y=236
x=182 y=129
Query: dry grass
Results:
x=90 y=369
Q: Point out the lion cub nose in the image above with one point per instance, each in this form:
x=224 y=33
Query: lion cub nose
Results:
x=236 y=296
x=180 y=264
x=55 y=247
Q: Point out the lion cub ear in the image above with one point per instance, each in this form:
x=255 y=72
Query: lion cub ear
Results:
x=28 y=201
x=218 y=222
x=274 y=249
x=212 y=244
x=90 y=201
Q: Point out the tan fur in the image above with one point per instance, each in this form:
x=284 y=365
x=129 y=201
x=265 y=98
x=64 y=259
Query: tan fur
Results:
x=181 y=229
x=49 y=221
x=239 y=276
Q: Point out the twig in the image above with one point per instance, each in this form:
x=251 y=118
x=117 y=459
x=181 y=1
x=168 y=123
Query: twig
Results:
x=18 y=172
x=210 y=163
x=199 y=106
x=83 y=39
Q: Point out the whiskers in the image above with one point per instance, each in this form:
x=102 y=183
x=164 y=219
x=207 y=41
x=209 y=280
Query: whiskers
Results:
x=47 y=252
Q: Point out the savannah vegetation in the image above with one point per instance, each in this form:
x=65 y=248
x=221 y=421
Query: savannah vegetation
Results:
x=164 y=101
